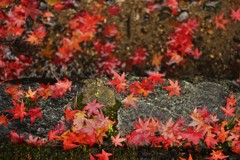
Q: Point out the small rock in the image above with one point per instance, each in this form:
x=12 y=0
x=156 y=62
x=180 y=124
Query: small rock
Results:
x=183 y=16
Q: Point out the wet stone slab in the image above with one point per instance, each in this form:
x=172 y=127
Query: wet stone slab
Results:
x=159 y=105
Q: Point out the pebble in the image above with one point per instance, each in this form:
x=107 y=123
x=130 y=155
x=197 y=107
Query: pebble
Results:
x=183 y=16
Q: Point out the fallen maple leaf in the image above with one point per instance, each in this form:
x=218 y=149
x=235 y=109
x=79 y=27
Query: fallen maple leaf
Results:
x=48 y=15
x=156 y=60
x=34 y=113
x=174 y=88
x=37 y=141
x=69 y=113
x=217 y=155
x=191 y=136
x=220 y=22
x=231 y=101
x=196 y=54
x=45 y=91
x=130 y=100
x=93 y=107
x=117 y=141
x=228 y=110
x=30 y=93
x=113 y=10
x=189 y=158
x=210 y=140
x=37 y=35
x=173 y=4
x=235 y=14
x=15 y=93
x=18 y=111
x=103 y=156
x=156 y=77
x=52 y=135
x=91 y=157
x=139 y=56
x=4 y=120
x=15 y=138
x=61 y=87
x=110 y=30
x=119 y=82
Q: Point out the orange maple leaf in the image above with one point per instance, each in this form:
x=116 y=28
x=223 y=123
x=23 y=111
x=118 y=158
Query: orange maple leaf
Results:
x=220 y=22
x=37 y=35
x=14 y=91
x=217 y=155
x=156 y=60
x=69 y=113
x=189 y=158
x=3 y=120
x=30 y=93
x=103 y=156
x=174 y=88
x=130 y=100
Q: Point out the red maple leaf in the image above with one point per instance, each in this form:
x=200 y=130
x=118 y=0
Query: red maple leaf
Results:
x=4 y=120
x=142 y=126
x=235 y=14
x=174 y=88
x=18 y=111
x=91 y=157
x=139 y=56
x=15 y=138
x=156 y=77
x=196 y=54
x=220 y=22
x=191 y=136
x=173 y=4
x=110 y=30
x=34 y=113
x=68 y=144
x=119 y=82
x=86 y=22
x=69 y=113
x=231 y=100
x=228 y=110
x=93 y=107
x=113 y=11
x=52 y=135
x=217 y=155
x=61 y=87
x=222 y=134
x=210 y=140
x=117 y=141
x=103 y=156
x=30 y=8
x=37 y=141
x=144 y=88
